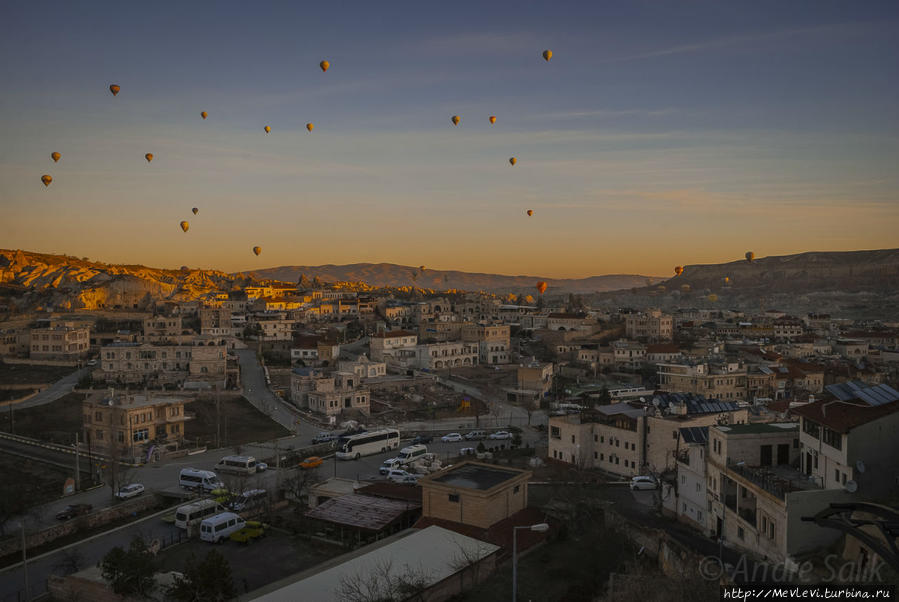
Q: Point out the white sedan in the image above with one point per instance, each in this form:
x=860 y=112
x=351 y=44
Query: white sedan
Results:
x=451 y=438
x=501 y=435
x=129 y=491
x=644 y=482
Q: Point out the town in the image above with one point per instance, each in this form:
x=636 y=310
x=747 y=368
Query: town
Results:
x=347 y=442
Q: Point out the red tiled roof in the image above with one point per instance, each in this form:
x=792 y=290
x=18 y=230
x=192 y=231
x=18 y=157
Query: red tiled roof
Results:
x=663 y=348
x=395 y=333
x=500 y=534
x=843 y=416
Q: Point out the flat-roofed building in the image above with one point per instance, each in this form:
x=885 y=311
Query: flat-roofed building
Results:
x=162 y=329
x=60 y=340
x=441 y=356
x=473 y=493
x=652 y=325
x=397 y=346
x=493 y=341
x=204 y=360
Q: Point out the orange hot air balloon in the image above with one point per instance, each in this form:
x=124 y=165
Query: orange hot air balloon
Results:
x=204 y=114
x=114 y=89
x=530 y=212
x=267 y=129
x=541 y=287
x=148 y=157
x=46 y=179
x=547 y=54
x=422 y=268
x=456 y=119
x=195 y=210
x=185 y=226
x=257 y=250
x=324 y=65
x=513 y=160
x=726 y=280
x=493 y=119
x=750 y=256
x=55 y=157
x=310 y=126
x=678 y=270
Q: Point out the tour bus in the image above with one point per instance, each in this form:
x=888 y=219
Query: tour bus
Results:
x=237 y=464
x=190 y=514
x=191 y=478
x=372 y=442
x=215 y=528
x=412 y=453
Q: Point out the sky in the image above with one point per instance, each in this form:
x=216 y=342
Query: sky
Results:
x=660 y=133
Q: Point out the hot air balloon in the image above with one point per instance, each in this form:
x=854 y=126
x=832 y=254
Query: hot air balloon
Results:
x=685 y=288
x=195 y=210
x=678 y=270
x=422 y=268
x=713 y=297
x=727 y=280
x=493 y=119
x=324 y=65
x=114 y=89
x=46 y=179
x=547 y=54
x=541 y=286
x=257 y=250
x=267 y=129
x=661 y=288
x=185 y=226
x=530 y=212
x=513 y=160
x=750 y=256
x=310 y=126
x=456 y=119
x=55 y=157
x=204 y=114
x=148 y=157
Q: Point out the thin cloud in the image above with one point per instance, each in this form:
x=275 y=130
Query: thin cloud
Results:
x=609 y=113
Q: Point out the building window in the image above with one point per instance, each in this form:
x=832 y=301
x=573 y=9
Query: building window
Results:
x=833 y=438
x=121 y=437
x=740 y=533
x=99 y=435
x=517 y=489
x=836 y=475
x=554 y=432
x=811 y=428
x=572 y=438
x=595 y=455
x=454 y=497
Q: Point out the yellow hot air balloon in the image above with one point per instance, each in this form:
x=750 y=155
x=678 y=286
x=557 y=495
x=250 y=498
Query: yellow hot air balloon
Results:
x=541 y=287
x=324 y=65
x=55 y=157
x=195 y=210
x=422 y=268
x=530 y=212
x=310 y=126
x=713 y=297
x=547 y=54
x=513 y=160
x=114 y=89
x=750 y=256
x=257 y=250
x=46 y=179
x=678 y=270
x=493 y=119
x=148 y=157
x=456 y=119
x=727 y=280
x=185 y=226
x=268 y=129
x=204 y=114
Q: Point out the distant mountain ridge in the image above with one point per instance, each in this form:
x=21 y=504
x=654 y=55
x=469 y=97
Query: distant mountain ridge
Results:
x=389 y=274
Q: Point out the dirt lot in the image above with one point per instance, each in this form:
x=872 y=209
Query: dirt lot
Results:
x=240 y=423
x=29 y=483
x=56 y=422
x=260 y=563
x=16 y=374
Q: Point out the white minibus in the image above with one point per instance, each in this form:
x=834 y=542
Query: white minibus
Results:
x=215 y=528
x=190 y=514
x=237 y=464
x=191 y=478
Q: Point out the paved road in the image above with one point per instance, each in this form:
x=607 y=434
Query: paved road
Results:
x=58 y=389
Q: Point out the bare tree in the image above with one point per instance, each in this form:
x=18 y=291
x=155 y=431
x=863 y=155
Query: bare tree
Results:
x=468 y=560
x=384 y=584
x=299 y=486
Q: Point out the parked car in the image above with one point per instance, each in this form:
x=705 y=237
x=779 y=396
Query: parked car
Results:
x=475 y=436
x=261 y=466
x=91 y=362
x=644 y=482
x=397 y=475
x=411 y=479
x=311 y=462
x=73 y=510
x=452 y=437
x=468 y=451
x=253 y=530
x=422 y=439
x=129 y=491
x=388 y=465
x=324 y=437
x=501 y=435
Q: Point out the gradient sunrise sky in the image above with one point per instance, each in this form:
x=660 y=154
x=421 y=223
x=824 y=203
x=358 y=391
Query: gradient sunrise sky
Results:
x=660 y=133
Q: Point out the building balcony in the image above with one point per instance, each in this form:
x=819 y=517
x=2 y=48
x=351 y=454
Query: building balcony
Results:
x=776 y=480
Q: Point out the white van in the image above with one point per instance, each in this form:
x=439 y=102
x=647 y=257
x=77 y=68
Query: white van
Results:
x=216 y=528
x=191 y=478
x=237 y=464
x=249 y=500
x=191 y=514
x=411 y=454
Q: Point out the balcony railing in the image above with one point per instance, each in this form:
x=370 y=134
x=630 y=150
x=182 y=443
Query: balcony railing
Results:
x=775 y=482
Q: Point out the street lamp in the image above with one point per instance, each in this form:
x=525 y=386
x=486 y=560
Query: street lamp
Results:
x=538 y=528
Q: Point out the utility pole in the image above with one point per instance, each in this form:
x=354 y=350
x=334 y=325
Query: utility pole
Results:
x=218 y=418
x=25 y=565
x=77 y=468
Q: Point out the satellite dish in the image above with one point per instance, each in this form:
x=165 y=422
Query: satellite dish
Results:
x=851 y=486
x=860 y=466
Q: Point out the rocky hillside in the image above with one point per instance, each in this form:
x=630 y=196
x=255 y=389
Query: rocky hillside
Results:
x=388 y=274
x=845 y=272
x=30 y=281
